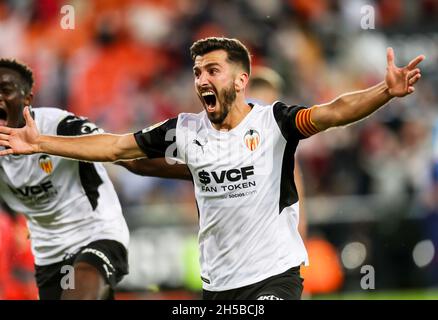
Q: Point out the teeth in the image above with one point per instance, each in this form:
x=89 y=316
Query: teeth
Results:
x=208 y=93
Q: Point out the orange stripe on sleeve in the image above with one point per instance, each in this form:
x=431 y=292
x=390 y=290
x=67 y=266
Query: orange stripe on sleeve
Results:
x=304 y=123
x=314 y=129
x=307 y=124
x=301 y=123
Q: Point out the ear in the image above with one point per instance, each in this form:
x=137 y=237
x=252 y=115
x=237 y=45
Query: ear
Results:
x=241 y=81
x=28 y=99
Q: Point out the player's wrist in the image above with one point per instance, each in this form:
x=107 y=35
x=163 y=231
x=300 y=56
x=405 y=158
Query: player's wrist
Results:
x=38 y=146
x=386 y=91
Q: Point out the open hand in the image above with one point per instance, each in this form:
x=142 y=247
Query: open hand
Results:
x=400 y=81
x=20 y=140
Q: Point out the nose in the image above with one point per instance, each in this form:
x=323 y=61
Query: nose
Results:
x=203 y=80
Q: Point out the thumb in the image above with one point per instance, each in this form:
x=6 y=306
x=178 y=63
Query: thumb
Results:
x=27 y=116
x=390 y=56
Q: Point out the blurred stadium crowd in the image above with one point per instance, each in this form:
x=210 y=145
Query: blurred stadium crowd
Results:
x=126 y=65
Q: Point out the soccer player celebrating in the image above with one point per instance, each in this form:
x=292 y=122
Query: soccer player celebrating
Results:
x=240 y=157
x=73 y=213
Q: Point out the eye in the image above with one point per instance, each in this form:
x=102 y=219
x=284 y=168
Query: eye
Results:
x=6 y=90
x=213 y=71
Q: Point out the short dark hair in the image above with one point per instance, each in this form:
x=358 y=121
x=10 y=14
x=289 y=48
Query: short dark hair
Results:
x=23 y=70
x=236 y=50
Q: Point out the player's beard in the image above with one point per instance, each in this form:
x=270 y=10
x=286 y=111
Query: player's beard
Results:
x=225 y=100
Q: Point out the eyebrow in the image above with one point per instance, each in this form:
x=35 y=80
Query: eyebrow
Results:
x=7 y=82
x=210 y=64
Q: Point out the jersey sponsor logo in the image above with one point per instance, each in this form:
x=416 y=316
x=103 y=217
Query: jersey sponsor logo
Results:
x=46 y=163
x=200 y=144
x=232 y=175
x=89 y=128
x=101 y=255
x=40 y=193
x=223 y=178
x=108 y=273
x=252 y=139
x=269 y=297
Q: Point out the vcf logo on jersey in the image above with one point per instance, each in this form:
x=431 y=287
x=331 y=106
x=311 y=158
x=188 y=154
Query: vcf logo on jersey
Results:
x=46 y=164
x=227 y=180
x=252 y=139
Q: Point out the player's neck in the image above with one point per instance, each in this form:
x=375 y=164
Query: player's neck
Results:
x=238 y=112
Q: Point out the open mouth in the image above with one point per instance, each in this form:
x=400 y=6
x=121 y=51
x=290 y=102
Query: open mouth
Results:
x=209 y=98
x=3 y=117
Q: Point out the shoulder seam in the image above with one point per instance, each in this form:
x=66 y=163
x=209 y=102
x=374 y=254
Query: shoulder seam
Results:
x=275 y=120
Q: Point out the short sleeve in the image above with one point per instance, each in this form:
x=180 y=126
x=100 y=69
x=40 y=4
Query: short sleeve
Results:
x=75 y=126
x=156 y=141
x=294 y=121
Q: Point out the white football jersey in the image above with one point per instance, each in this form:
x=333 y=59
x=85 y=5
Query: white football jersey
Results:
x=244 y=188
x=67 y=203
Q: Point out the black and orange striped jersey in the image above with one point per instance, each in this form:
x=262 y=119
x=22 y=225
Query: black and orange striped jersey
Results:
x=244 y=188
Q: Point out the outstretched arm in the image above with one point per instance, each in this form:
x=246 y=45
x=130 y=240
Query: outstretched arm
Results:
x=99 y=147
x=354 y=106
x=157 y=167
